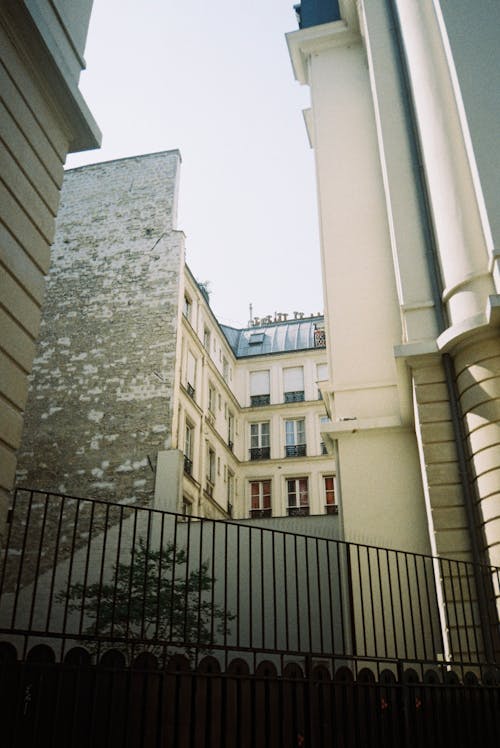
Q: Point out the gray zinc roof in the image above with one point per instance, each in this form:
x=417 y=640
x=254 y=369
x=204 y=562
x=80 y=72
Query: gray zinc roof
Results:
x=275 y=337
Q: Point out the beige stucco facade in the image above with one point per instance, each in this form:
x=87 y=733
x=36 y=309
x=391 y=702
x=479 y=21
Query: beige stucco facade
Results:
x=404 y=107
x=43 y=117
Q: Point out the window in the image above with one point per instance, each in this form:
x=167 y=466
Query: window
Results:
x=260 y=498
x=211 y=398
x=322 y=421
x=210 y=471
x=230 y=431
x=295 y=438
x=256 y=338
x=298 y=497
x=259 y=388
x=188 y=307
x=191 y=374
x=230 y=490
x=259 y=441
x=187 y=507
x=293 y=384
x=321 y=376
x=225 y=369
x=206 y=339
x=188 y=449
x=329 y=489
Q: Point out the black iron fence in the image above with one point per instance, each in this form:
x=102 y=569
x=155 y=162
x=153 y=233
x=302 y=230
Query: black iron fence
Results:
x=101 y=574
x=127 y=626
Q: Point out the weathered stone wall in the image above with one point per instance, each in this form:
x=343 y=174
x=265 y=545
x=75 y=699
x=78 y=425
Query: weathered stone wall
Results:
x=99 y=406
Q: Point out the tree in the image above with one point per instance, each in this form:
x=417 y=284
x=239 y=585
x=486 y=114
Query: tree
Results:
x=152 y=601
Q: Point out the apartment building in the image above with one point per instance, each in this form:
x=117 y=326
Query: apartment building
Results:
x=139 y=395
x=249 y=414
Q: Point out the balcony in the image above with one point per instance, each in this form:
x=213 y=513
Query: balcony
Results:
x=190 y=390
x=260 y=453
x=260 y=513
x=188 y=465
x=298 y=511
x=259 y=400
x=331 y=509
x=295 y=450
x=297 y=396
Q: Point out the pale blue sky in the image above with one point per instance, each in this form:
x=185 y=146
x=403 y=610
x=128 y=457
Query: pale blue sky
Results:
x=214 y=79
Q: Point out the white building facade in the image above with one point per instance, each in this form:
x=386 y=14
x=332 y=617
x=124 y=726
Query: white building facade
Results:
x=404 y=107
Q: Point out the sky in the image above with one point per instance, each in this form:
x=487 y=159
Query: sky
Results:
x=214 y=79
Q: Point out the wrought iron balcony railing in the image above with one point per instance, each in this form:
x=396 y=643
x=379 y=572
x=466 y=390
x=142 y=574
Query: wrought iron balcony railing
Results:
x=298 y=511
x=260 y=453
x=296 y=450
x=260 y=513
x=259 y=400
x=294 y=397
x=188 y=465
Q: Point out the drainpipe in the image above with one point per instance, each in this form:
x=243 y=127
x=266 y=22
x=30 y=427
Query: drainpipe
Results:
x=470 y=499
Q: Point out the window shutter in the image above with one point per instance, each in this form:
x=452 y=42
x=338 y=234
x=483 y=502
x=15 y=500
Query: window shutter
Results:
x=259 y=383
x=293 y=379
x=322 y=372
x=191 y=369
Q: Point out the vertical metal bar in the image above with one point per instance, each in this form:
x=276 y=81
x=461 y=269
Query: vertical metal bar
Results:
x=403 y=621
x=382 y=605
x=320 y=596
x=460 y=565
x=308 y=589
x=285 y=591
x=172 y=611
x=391 y=599
x=431 y=607
x=350 y=585
x=410 y=602
x=186 y=579
x=37 y=567
x=54 y=563
x=117 y=570
x=250 y=585
x=297 y=601
x=225 y=582
x=275 y=610
x=262 y=596
x=10 y=521
x=212 y=598
x=70 y=569
x=328 y=544
x=131 y=573
x=372 y=605
x=101 y=573
x=21 y=561
x=161 y=554
x=475 y=624
x=362 y=600
x=87 y=563
x=453 y=564
x=421 y=618
x=146 y=591
x=238 y=599
x=201 y=526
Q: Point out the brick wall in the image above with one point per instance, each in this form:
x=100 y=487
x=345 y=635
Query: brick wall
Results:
x=99 y=406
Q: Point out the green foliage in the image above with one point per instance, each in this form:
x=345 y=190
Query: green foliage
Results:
x=154 y=599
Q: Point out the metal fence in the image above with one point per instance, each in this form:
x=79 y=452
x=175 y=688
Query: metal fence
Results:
x=104 y=575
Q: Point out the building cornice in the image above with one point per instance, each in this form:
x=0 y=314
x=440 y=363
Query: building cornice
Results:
x=306 y=42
